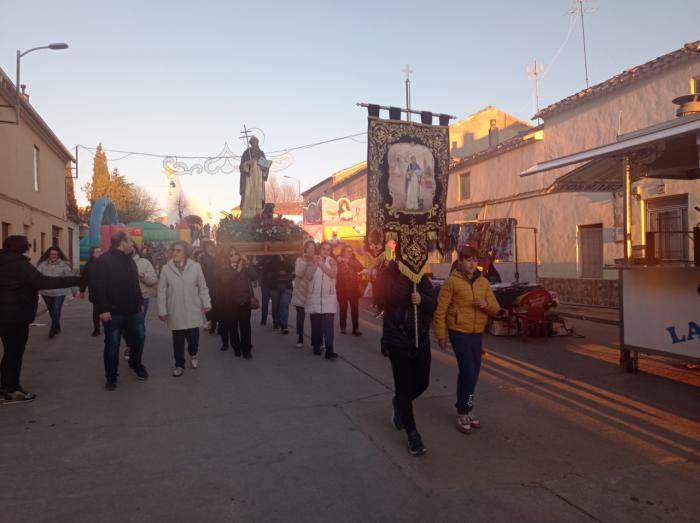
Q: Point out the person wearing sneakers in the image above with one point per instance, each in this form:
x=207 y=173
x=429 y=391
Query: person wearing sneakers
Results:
x=95 y=253
x=54 y=263
x=321 y=301
x=183 y=299
x=410 y=358
x=114 y=285
x=301 y=287
x=20 y=282
x=464 y=305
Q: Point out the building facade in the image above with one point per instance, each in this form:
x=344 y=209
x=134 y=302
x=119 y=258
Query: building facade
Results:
x=33 y=179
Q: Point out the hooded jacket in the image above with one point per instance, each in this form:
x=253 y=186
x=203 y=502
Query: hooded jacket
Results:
x=20 y=283
x=456 y=310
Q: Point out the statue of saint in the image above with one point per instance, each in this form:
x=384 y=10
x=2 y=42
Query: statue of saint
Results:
x=254 y=169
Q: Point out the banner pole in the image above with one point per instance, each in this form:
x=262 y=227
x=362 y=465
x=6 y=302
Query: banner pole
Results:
x=415 y=315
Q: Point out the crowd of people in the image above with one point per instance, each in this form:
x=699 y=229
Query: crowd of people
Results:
x=215 y=287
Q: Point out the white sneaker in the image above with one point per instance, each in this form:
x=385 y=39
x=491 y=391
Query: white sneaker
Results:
x=126 y=354
x=194 y=362
x=177 y=372
x=299 y=345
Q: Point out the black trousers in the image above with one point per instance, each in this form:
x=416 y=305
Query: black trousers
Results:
x=411 y=378
x=95 y=319
x=179 y=337
x=235 y=329
x=343 y=300
x=14 y=340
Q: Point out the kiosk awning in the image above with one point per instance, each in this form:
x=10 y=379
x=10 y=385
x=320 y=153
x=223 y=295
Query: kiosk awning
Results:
x=601 y=175
x=681 y=134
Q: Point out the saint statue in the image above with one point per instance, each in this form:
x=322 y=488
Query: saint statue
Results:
x=254 y=169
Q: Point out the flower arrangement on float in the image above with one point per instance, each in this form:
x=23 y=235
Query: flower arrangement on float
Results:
x=262 y=234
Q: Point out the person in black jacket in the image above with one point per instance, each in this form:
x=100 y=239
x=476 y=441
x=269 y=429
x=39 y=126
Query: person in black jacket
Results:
x=278 y=277
x=410 y=358
x=114 y=283
x=20 y=282
x=347 y=285
x=95 y=253
x=234 y=292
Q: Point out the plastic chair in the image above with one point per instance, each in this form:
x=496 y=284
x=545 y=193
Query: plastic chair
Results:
x=531 y=313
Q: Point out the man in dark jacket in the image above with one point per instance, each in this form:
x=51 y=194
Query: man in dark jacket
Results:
x=114 y=282
x=20 y=283
x=410 y=358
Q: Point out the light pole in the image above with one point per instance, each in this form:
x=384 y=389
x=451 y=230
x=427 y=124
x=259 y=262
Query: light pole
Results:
x=54 y=47
x=298 y=182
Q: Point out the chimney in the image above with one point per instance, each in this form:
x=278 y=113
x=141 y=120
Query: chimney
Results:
x=493 y=133
x=687 y=104
x=23 y=87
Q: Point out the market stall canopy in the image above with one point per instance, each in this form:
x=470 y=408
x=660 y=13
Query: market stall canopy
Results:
x=667 y=150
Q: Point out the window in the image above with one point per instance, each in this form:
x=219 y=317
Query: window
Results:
x=36 y=168
x=5 y=230
x=591 y=250
x=56 y=236
x=465 y=186
x=668 y=219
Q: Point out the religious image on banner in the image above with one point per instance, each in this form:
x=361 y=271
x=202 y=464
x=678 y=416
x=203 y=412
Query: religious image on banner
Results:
x=407 y=174
x=313 y=214
x=343 y=211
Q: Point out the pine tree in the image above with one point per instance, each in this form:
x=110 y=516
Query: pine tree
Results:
x=100 y=175
x=71 y=203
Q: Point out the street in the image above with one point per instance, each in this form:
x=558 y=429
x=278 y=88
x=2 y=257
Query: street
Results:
x=289 y=436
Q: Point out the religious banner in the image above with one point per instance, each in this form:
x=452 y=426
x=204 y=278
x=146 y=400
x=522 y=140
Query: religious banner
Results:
x=494 y=239
x=343 y=211
x=406 y=189
x=313 y=213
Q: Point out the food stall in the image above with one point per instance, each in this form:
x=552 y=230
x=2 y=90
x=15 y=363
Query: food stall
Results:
x=659 y=297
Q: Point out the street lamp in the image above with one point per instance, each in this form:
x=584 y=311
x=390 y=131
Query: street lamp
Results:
x=54 y=47
x=298 y=182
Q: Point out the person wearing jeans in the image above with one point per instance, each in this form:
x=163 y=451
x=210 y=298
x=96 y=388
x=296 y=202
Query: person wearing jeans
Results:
x=183 y=299
x=301 y=287
x=116 y=294
x=148 y=281
x=20 y=282
x=464 y=305
x=53 y=263
x=404 y=306
x=321 y=300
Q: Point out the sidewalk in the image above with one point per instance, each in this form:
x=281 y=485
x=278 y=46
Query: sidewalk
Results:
x=594 y=314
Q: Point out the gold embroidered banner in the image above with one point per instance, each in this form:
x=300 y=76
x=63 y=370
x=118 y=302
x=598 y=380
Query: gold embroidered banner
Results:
x=406 y=189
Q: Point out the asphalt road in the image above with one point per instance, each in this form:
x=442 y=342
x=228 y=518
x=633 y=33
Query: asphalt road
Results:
x=290 y=436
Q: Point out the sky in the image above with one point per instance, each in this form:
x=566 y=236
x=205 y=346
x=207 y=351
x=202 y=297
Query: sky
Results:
x=183 y=78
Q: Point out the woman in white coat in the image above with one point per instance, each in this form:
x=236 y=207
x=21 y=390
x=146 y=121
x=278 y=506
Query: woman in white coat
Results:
x=321 y=300
x=183 y=299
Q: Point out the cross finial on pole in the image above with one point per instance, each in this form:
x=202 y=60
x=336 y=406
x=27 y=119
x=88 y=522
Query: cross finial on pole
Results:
x=408 y=72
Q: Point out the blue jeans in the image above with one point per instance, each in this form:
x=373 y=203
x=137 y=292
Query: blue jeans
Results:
x=132 y=328
x=281 y=298
x=322 y=330
x=467 y=349
x=127 y=340
x=264 y=303
x=54 y=305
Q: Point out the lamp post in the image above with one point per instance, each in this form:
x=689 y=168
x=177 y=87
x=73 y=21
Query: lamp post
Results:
x=298 y=182
x=53 y=47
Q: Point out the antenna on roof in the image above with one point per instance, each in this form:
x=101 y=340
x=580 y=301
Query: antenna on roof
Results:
x=534 y=74
x=579 y=9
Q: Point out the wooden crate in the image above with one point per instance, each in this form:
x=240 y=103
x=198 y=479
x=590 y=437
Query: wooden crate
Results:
x=295 y=247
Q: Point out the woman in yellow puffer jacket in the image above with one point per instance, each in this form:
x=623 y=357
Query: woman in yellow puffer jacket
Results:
x=464 y=304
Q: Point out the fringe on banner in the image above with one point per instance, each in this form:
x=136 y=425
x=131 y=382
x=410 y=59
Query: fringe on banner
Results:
x=415 y=278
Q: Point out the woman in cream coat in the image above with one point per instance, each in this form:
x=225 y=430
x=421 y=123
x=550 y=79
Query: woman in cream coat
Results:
x=183 y=299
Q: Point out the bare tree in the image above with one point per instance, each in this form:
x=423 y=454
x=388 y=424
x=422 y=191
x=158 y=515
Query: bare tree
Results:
x=280 y=192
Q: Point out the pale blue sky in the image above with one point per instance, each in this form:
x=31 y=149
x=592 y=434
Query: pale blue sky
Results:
x=162 y=77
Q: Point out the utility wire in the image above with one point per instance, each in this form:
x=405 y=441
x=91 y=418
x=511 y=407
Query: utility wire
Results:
x=235 y=157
